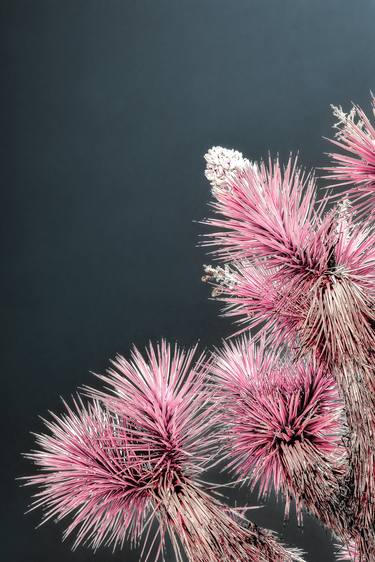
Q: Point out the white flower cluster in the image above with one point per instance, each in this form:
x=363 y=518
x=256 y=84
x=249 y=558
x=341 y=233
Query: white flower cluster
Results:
x=346 y=120
x=221 y=165
x=221 y=277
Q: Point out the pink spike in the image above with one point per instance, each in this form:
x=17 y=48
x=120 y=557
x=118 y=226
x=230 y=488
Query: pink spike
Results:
x=356 y=169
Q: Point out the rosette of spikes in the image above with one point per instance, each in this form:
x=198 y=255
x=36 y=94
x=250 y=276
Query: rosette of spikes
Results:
x=132 y=460
x=354 y=167
x=303 y=275
x=283 y=427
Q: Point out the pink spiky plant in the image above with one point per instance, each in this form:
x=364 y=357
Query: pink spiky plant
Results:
x=298 y=420
x=133 y=459
x=266 y=212
x=327 y=308
x=355 y=165
x=304 y=276
x=88 y=469
x=279 y=415
x=283 y=427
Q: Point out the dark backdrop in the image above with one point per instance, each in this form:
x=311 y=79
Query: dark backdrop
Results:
x=107 y=108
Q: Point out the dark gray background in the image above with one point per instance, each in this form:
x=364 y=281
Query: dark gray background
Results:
x=107 y=109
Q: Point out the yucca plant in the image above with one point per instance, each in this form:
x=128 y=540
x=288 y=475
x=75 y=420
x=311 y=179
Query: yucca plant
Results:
x=288 y=405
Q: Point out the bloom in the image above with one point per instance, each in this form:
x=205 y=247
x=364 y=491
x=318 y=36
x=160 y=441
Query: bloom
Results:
x=221 y=164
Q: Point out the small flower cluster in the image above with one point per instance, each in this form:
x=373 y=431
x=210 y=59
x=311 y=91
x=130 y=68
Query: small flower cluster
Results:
x=221 y=164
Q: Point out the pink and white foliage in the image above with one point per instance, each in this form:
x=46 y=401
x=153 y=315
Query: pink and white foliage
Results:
x=303 y=276
x=88 y=470
x=354 y=165
x=277 y=414
x=129 y=465
x=308 y=276
x=133 y=460
x=266 y=212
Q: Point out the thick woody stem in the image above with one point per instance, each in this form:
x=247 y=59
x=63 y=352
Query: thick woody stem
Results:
x=210 y=531
x=357 y=388
x=317 y=484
